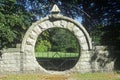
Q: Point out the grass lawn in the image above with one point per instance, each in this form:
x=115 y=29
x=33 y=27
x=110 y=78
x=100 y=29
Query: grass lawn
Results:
x=96 y=76
x=55 y=54
x=75 y=76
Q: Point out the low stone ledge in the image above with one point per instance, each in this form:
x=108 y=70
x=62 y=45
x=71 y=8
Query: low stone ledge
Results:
x=10 y=50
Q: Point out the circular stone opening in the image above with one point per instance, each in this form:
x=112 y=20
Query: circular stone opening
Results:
x=57 y=49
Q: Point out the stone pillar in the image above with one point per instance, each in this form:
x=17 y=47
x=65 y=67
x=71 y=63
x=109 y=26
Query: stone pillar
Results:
x=83 y=64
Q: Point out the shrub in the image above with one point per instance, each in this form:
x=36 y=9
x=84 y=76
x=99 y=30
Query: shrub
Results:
x=42 y=46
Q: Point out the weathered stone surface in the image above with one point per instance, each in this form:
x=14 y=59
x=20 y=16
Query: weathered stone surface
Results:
x=83 y=67
x=10 y=50
x=102 y=60
x=34 y=35
x=84 y=47
x=109 y=67
x=43 y=26
x=55 y=9
x=82 y=40
x=84 y=59
x=64 y=23
x=30 y=58
x=49 y=24
x=57 y=23
x=85 y=54
x=101 y=47
x=10 y=62
x=30 y=41
x=29 y=48
x=37 y=29
x=78 y=34
x=70 y=26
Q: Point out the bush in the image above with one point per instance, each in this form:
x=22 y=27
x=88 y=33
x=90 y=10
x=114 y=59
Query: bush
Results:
x=70 y=49
x=42 y=46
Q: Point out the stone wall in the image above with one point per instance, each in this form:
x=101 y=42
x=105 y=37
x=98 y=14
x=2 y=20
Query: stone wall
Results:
x=10 y=60
x=101 y=59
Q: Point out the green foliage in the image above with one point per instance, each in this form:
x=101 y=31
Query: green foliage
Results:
x=96 y=34
x=62 y=40
x=42 y=46
x=57 y=39
x=14 y=20
x=111 y=36
x=6 y=34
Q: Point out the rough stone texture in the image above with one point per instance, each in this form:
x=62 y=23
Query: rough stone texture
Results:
x=55 y=9
x=83 y=64
x=98 y=60
x=10 y=60
x=102 y=60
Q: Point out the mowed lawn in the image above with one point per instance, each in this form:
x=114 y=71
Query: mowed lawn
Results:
x=75 y=76
x=55 y=54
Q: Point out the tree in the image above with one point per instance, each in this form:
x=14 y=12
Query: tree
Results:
x=105 y=13
x=62 y=40
x=95 y=14
x=57 y=39
x=14 y=20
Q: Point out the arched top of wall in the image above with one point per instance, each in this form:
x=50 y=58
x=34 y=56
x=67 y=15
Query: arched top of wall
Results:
x=52 y=21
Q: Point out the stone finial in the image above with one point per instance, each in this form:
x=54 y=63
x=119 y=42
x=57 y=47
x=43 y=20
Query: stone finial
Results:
x=55 y=9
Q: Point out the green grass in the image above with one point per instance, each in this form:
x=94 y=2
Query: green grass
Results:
x=96 y=76
x=75 y=76
x=55 y=54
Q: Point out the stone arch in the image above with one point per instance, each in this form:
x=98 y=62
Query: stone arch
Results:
x=54 y=21
x=61 y=22
x=38 y=27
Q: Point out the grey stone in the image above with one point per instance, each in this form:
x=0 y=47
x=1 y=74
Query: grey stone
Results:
x=49 y=24
x=55 y=9
x=30 y=41
x=64 y=23
x=43 y=26
x=70 y=26
x=57 y=23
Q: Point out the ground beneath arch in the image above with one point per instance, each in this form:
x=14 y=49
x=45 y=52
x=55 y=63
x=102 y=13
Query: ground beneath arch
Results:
x=75 y=76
